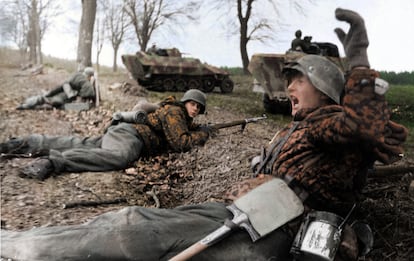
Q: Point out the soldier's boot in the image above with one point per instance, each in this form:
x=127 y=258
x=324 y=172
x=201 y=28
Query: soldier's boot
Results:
x=31 y=102
x=14 y=146
x=40 y=169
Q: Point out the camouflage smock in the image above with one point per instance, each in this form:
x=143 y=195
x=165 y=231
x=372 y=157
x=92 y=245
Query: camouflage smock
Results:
x=80 y=83
x=170 y=128
x=332 y=147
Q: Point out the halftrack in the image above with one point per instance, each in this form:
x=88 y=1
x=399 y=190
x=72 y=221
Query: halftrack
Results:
x=266 y=69
x=166 y=70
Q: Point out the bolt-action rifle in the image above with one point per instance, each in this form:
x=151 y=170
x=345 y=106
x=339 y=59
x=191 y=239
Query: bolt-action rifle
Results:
x=242 y=123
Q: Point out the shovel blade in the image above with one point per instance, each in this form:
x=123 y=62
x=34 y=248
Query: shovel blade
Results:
x=270 y=205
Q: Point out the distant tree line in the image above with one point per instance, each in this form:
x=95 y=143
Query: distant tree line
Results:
x=26 y=22
x=402 y=78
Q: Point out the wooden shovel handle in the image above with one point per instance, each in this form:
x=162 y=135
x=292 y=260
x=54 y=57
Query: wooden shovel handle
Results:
x=189 y=252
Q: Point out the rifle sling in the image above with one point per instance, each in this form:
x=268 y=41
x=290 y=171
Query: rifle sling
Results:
x=278 y=144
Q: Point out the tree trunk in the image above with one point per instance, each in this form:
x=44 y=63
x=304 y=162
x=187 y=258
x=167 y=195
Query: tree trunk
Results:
x=84 y=58
x=243 y=47
x=97 y=61
x=37 y=33
x=31 y=44
x=115 y=66
x=244 y=39
x=32 y=33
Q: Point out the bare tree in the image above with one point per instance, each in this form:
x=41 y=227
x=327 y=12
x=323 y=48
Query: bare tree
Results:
x=39 y=19
x=99 y=38
x=33 y=36
x=253 y=22
x=116 y=24
x=26 y=23
x=149 y=15
x=84 y=55
x=14 y=24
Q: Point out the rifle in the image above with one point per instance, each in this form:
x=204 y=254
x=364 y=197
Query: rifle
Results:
x=242 y=123
x=95 y=84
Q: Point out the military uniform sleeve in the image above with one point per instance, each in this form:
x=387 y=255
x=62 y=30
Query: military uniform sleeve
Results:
x=177 y=132
x=363 y=117
x=80 y=83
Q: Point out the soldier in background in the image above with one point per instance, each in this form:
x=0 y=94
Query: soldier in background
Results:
x=153 y=49
x=78 y=87
x=168 y=128
x=297 y=42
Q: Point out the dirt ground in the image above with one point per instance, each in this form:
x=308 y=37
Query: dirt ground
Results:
x=164 y=181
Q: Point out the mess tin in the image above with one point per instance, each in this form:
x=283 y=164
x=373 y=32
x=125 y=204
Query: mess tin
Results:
x=319 y=237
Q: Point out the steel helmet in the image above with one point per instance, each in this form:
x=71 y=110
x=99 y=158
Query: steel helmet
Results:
x=197 y=96
x=322 y=73
x=89 y=71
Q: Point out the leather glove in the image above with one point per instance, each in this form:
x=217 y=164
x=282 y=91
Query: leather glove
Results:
x=355 y=42
x=212 y=132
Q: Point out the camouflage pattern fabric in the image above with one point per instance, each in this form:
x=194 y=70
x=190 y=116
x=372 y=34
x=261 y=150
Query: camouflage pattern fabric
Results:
x=170 y=128
x=333 y=146
x=331 y=150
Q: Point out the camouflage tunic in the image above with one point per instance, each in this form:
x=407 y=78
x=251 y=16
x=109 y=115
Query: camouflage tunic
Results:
x=332 y=147
x=170 y=128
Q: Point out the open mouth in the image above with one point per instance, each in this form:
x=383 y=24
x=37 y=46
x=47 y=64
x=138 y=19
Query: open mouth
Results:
x=294 y=101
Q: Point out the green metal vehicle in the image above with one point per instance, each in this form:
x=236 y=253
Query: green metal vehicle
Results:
x=167 y=70
x=266 y=69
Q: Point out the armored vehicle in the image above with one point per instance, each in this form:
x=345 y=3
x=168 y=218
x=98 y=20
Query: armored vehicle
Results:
x=167 y=70
x=267 y=68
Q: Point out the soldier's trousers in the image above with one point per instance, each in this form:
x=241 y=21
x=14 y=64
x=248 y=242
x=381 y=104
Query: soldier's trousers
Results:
x=116 y=149
x=56 y=101
x=138 y=233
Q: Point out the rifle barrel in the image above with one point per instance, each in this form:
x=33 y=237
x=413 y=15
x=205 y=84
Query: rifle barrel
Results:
x=235 y=123
x=228 y=124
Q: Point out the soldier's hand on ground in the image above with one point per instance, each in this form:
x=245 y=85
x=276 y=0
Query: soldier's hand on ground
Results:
x=117 y=116
x=115 y=120
x=355 y=42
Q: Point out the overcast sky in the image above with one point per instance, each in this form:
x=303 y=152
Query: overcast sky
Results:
x=389 y=24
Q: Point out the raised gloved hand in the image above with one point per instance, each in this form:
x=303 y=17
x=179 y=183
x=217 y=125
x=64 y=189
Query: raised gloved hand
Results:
x=355 y=42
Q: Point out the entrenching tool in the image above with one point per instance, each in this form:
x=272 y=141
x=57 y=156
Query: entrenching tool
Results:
x=259 y=212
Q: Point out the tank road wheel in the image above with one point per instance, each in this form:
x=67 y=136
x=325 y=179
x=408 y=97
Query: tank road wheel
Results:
x=226 y=86
x=156 y=86
x=193 y=84
x=208 y=85
x=181 y=85
x=168 y=84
